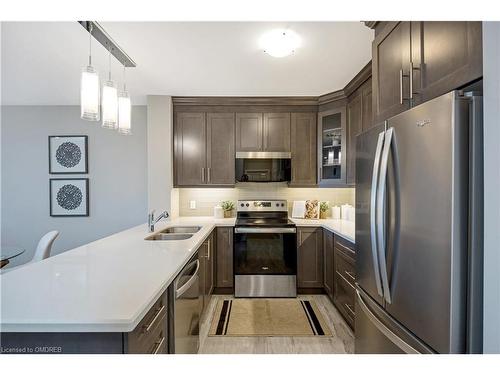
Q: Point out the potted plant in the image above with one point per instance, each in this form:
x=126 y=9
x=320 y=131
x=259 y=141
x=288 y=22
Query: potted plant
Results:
x=323 y=207
x=228 y=208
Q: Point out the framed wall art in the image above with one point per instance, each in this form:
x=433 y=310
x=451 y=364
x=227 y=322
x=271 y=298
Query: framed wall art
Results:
x=68 y=154
x=69 y=197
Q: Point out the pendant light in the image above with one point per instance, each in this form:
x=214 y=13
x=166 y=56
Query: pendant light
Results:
x=89 y=89
x=124 y=109
x=109 y=101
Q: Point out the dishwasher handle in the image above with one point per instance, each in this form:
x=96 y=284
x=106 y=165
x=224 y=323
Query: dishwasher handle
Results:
x=179 y=292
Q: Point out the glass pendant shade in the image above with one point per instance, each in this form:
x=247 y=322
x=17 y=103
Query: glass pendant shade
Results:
x=89 y=94
x=109 y=105
x=124 y=113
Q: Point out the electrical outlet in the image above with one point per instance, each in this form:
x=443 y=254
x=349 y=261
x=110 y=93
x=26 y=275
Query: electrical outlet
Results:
x=192 y=205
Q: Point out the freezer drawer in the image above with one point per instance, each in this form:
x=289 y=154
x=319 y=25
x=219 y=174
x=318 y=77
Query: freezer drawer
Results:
x=378 y=333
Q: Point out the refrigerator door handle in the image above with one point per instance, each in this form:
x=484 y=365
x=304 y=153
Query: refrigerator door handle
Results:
x=395 y=339
x=373 y=210
x=381 y=220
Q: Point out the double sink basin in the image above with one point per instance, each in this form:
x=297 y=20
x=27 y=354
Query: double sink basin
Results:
x=174 y=234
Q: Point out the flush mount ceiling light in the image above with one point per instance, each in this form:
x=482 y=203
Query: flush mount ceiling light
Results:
x=279 y=42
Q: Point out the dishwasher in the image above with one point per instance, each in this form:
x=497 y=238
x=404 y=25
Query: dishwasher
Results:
x=185 y=305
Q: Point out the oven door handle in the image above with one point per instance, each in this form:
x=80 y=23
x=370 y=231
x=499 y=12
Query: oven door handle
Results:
x=264 y=230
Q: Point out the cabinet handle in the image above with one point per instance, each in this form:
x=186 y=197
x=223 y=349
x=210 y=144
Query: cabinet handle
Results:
x=158 y=345
x=202 y=174
x=208 y=250
x=350 y=274
x=412 y=68
x=208 y=174
x=348 y=307
x=147 y=328
x=401 y=75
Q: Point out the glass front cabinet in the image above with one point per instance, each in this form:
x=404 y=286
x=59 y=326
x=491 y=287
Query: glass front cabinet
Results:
x=332 y=147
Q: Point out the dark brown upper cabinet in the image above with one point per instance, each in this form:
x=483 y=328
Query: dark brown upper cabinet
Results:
x=419 y=60
x=354 y=123
x=366 y=103
x=359 y=119
x=445 y=56
x=390 y=64
x=220 y=148
x=190 y=149
x=276 y=135
x=309 y=257
x=303 y=147
x=204 y=149
x=249 y=132
x=332 y=147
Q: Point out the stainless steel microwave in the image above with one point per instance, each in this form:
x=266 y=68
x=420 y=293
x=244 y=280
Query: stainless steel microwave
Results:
x=263 y=166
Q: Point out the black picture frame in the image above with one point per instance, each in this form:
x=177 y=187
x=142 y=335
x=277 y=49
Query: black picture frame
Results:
x=86 y=147
x=86 y=199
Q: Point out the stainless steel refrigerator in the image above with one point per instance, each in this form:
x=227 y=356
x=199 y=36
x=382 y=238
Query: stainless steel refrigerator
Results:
x=418 y=230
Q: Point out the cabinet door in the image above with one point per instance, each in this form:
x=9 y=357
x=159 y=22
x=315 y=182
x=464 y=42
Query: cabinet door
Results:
x=276 y=135
x=202 y=257
x=354 y=123
x=390 y=64
x=310 y=257
x=249 y=132
x=224 y=258
x=329 y=269
x=446 y=55
x=366 y=103
x=303 y=148
x=189 y=149
x=220 y=148
x=332 y=141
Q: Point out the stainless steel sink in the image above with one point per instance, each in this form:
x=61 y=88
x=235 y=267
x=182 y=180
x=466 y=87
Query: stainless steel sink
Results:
x=181 y=230
x=169 y=236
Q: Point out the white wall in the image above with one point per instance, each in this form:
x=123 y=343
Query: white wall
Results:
x=491 y=74
x=117 y=174
x=161 y=194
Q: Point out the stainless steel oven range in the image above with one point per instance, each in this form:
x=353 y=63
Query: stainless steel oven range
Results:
x=265 y=250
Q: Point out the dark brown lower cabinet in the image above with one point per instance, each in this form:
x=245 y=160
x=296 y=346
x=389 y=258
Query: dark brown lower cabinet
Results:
x=206 y=257
x=329 y=267
x=344 y=278
x=224 y=259
x=149 y=337
x=309 y=257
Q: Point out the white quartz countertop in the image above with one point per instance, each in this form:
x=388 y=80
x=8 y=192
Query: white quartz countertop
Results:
x=108 y=285
x=343 y=228
x=105 y=286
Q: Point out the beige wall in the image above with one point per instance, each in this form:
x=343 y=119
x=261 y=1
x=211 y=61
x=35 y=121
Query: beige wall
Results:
x=207 y=198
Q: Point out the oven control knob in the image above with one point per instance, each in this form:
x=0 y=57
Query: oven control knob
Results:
x=277 y=204
x=242 y=205
x=247 y=205
x=282 y=205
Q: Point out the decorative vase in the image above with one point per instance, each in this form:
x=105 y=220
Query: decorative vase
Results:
x=228 y=214
x=322 y=214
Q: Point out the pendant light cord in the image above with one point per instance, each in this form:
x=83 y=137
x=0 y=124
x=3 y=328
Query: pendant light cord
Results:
x=90 y=44
x=124 y=80
x=109 y=57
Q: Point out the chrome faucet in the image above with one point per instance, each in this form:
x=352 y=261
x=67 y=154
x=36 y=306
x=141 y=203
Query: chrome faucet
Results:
x=152 y=221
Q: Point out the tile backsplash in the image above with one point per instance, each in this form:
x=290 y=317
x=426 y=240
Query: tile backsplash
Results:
x=207 y=198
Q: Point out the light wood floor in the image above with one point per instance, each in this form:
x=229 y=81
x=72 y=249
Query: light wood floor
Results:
x=342 y=341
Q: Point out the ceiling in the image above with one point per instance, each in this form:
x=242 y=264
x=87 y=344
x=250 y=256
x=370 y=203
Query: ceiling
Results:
x=41 y=61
